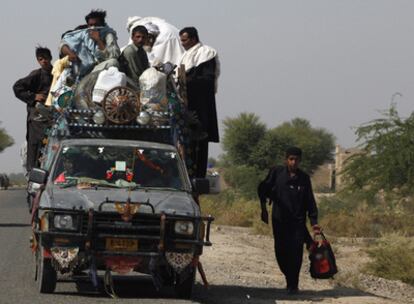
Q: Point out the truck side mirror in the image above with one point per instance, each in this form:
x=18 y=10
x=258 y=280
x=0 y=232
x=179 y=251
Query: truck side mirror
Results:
x=38 y=176
x=201 y=185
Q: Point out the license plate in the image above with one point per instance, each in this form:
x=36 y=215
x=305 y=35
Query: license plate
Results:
x=113 y=244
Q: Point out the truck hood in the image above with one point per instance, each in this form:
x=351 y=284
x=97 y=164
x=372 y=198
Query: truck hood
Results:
x=170 y=202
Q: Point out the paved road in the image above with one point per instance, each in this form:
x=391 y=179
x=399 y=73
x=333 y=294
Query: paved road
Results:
x=240 y=268
x=17 y=286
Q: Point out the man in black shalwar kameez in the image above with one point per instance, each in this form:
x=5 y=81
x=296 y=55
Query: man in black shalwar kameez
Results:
x=290 y=191
x=202 y=70
x=34 y=89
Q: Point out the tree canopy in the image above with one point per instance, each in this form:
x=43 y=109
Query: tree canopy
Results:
x=251 y=148
x=5 y=140
x=317 y=145
x=387 y=155
x=241 y=136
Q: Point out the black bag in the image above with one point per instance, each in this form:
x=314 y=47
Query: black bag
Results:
x=322 y=260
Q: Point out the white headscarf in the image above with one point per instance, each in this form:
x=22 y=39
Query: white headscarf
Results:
x=152 y=29
x=167 y=46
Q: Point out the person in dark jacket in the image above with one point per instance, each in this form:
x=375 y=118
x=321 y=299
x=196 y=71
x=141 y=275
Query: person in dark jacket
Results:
x=202 y=70
x=33 y=89
x=289 y=189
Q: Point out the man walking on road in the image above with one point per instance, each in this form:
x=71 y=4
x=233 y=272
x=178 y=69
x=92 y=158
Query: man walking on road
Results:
x=290 y=191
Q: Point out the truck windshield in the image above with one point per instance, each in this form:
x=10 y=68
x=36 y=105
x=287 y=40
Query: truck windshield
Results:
x=119 y=166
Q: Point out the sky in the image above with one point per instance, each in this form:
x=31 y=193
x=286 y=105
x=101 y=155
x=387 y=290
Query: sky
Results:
x=335 y=63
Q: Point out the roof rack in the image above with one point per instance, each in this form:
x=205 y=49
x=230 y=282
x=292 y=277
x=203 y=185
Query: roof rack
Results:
x=80 y=123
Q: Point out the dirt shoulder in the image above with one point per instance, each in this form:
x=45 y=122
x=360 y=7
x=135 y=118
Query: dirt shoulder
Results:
x=241 y=268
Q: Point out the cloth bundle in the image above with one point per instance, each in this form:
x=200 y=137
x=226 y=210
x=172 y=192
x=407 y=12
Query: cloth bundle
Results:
x=107 y=80
x=153 y=87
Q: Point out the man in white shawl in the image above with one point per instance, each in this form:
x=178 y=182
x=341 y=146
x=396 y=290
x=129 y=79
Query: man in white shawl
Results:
x=202 y=70
x=166 y=46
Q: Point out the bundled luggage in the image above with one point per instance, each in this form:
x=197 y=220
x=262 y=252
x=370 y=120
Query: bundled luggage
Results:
x=153 y=86
x=107 y=80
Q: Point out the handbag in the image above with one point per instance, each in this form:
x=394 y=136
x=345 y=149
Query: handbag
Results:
x=322 y=259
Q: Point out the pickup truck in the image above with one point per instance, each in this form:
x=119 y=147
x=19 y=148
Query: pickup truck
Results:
x=116 y=205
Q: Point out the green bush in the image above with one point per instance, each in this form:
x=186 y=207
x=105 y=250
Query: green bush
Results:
x=244 y=180
x=393 y=258
x=387 y=151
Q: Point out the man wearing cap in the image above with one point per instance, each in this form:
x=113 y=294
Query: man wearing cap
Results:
x=290 y=191
x=163 y=44
x=153 y=33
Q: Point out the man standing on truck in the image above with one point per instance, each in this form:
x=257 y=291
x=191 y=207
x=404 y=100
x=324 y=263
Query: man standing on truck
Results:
x=290 y=191
x=33 y=89
x=163 y=44
x=133 y=59
x=94 y=48
x=202 y=70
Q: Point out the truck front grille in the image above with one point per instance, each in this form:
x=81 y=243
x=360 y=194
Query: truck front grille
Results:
x=143 y=227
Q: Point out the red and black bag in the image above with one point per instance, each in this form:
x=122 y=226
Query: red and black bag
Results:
x=322 y=259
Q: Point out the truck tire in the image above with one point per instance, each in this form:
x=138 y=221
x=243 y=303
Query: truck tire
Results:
x=184 y=289
x=29 y=200
x=46 y=275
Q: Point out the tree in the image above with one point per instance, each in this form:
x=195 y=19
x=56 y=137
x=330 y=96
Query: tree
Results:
x=244 y=179
x=317 y=145
x=5 y=140
x=250 y=148
x=387 y=155
x=240 y=139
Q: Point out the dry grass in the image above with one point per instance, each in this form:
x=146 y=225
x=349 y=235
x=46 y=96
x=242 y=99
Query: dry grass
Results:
x=230 y=209
x=352 y=216
x=347 y=217
x=393 y=258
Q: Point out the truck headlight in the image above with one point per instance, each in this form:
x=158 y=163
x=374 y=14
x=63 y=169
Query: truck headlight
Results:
x=44 y=222
x=184 y=227
x=64 y=221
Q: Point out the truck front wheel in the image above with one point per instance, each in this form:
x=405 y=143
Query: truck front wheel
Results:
x=184 y=286
x=46 y=275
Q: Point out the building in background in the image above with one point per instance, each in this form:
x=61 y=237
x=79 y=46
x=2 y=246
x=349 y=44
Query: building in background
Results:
x=328 y=178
